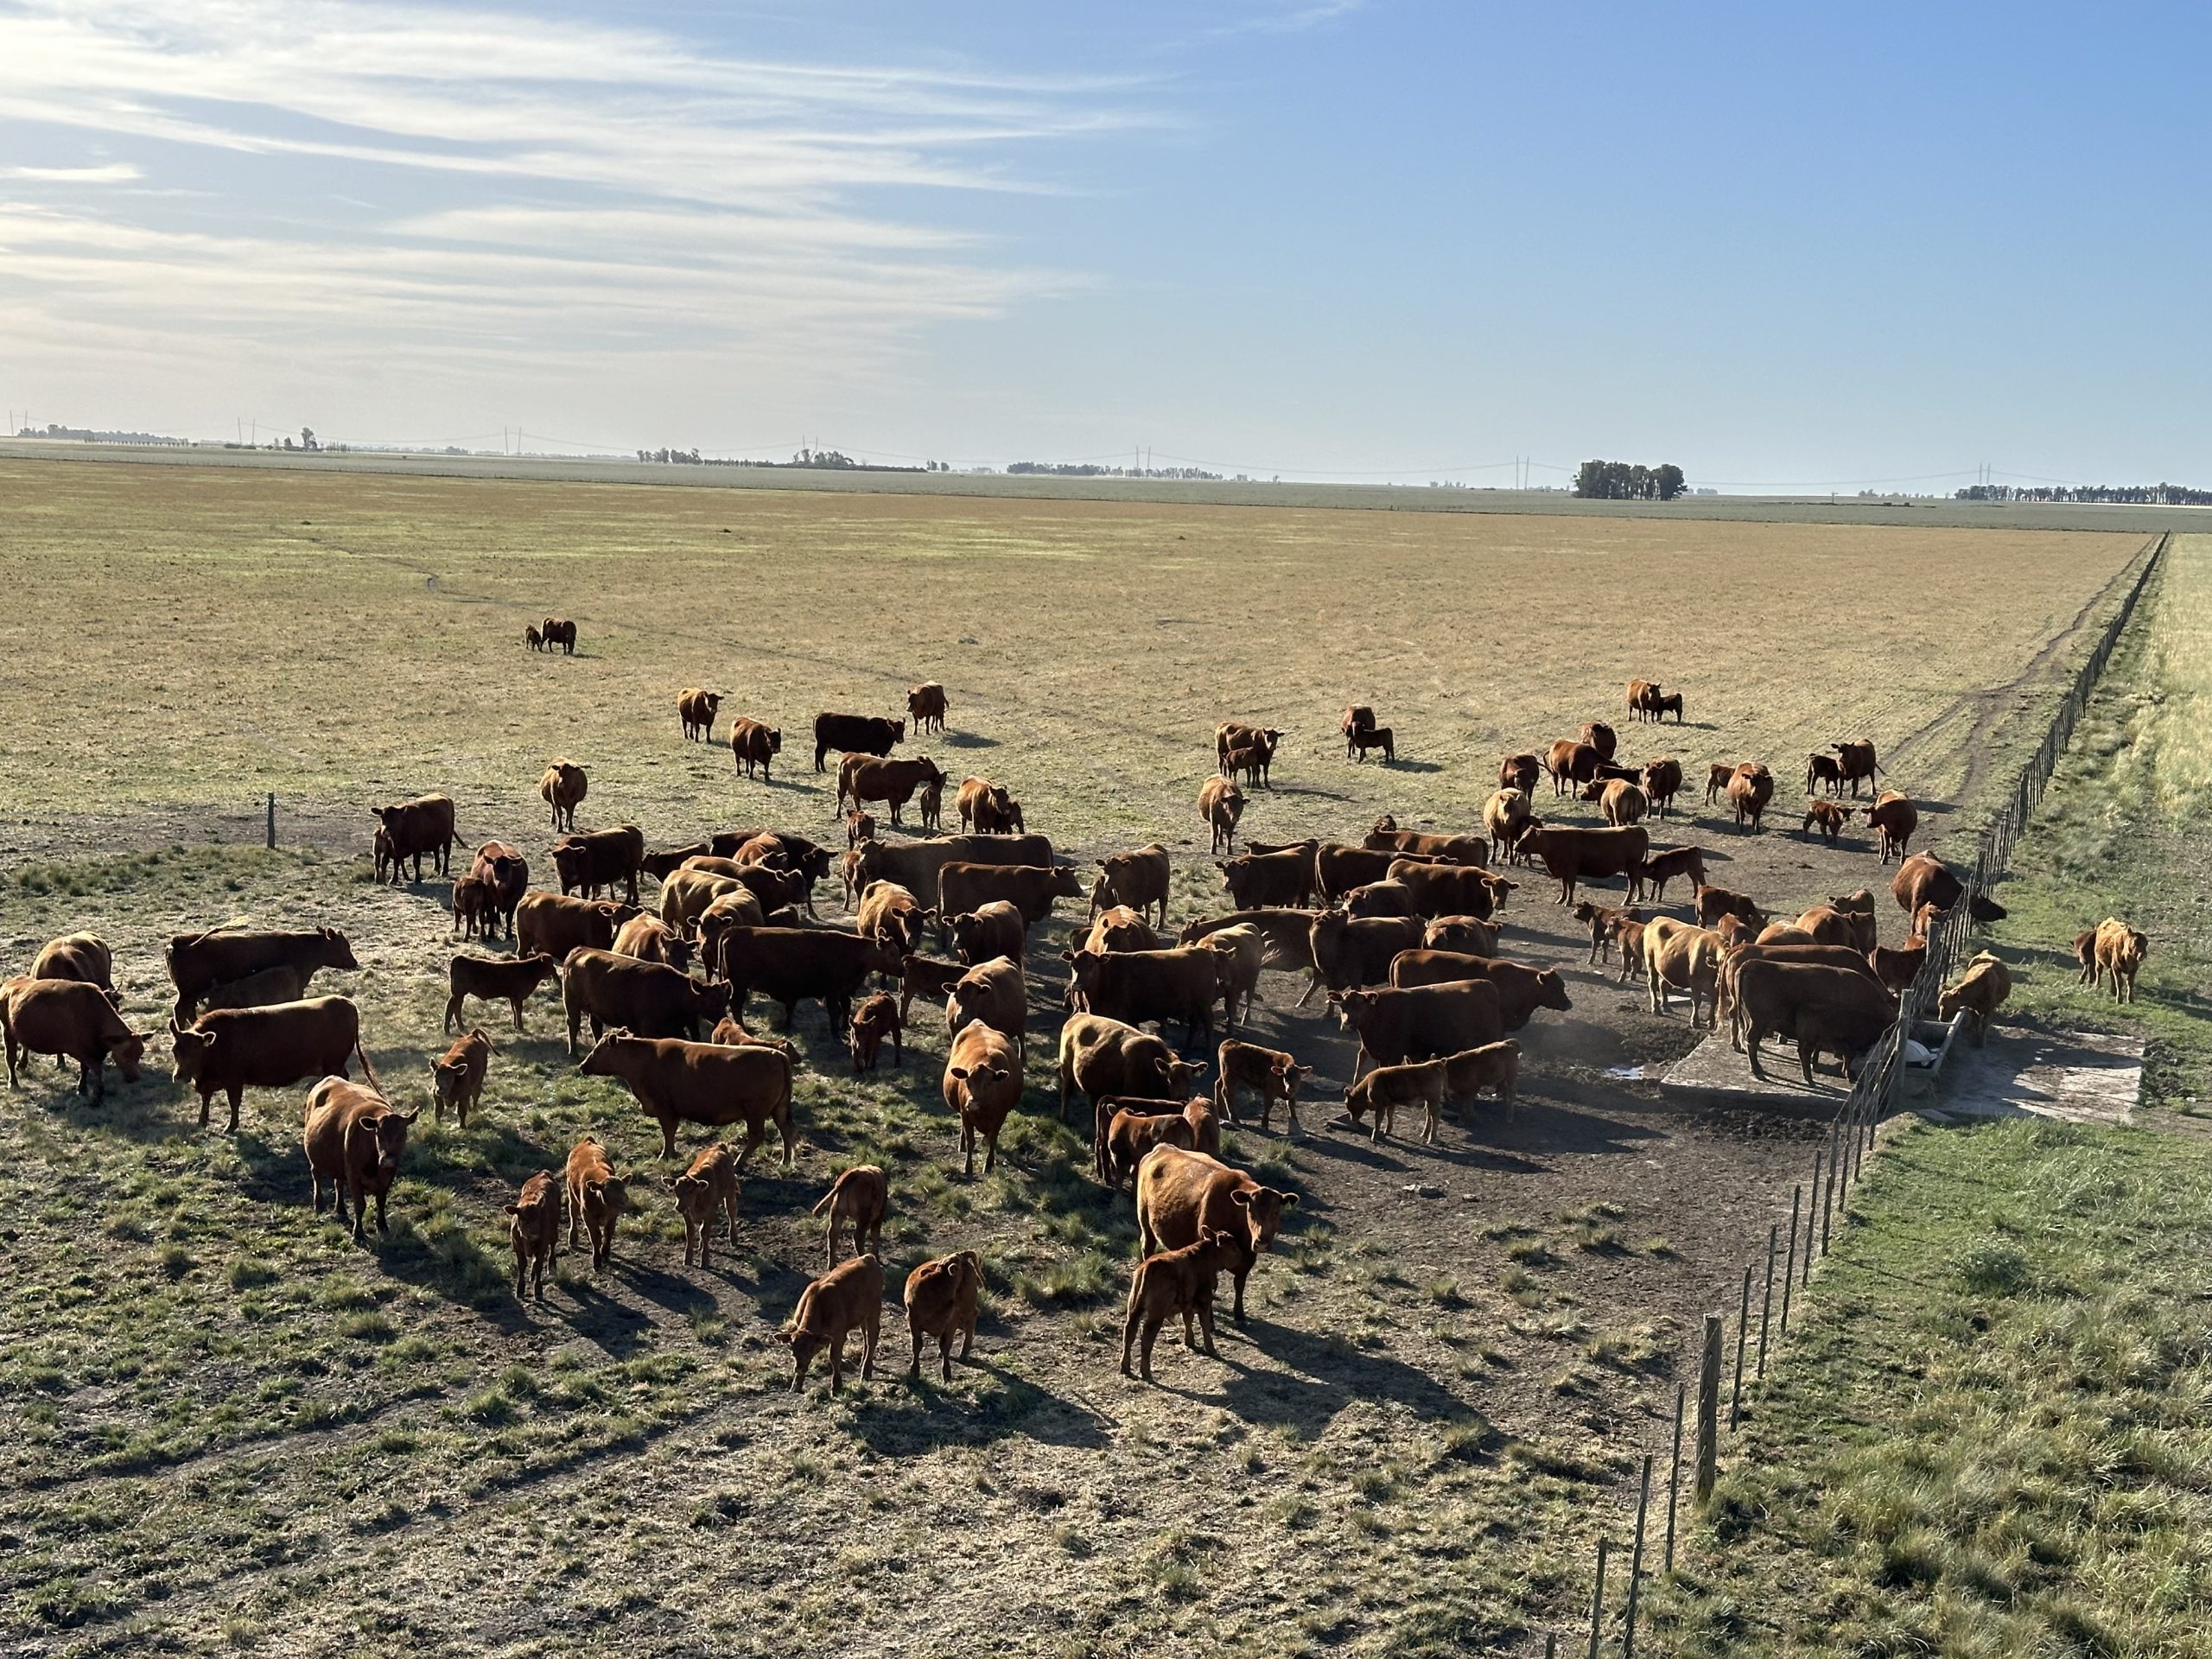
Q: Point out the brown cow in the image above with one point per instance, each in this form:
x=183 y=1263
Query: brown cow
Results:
x=1505 y=815
x=1893 y=818
x=754 y=747
x=1978 y=993
x=1663 y=781
x=1181 y=1194
x=931 y=805
x=512 y=980
x=1350 y=951
x=262 y=990
x=1256 y=881
x=1602 y=738
x=1288 y=933
x=1571 y=855
x=791 y=965
x=1387 y=837
x=457 y=1076
x=982 y=1084
x=704 y=1193
x=1520 y=771
x=865 y=779
x=70 y=1019
x=855 y=734
x=559 y=630
x=1221 y=803
x=993 y=994
x=1381 y=1091
x=1677 y=956
x=1182 y=982
x=848 y=1297
x=1259 y=741
x=697 y=709
x=1468 y=933
x=1117 y=929
x=1619 y=802
x=858 y=827
x=1603 y=923
x=983 y=806
x=354 y=1139
x=1205 y=1128
x=1107 y=1059
x=997 y=930
x=963 y=886
x=1847 y=958
x=1271 y=1073
x=564 y=788
x=1749 y=790
x=1656 y=869
x=2117 y=950
x=1522 y=989
x=925 y=707
x=943 y=1299
x=1137 y=879
x=713 y=1083
x=535 y=1230
x=598 y=1199
x=644 y=939
x=1855 y=763
x=1572 y=764
x=470 y=905
x=1131 y=1133
x=228 y=1051
x=892 y=917
x=1643 y=699
x=1923 y=879
x=1177 y=1281
x=505 y=875
x=1898 y=969
x=1826 y=816
x=929 y=976
x=877 y=1019
x=862 y=1196
x=1451 y=889
x=599 y=859
x=1245 y=950
x=647 y=998
x=1824 y=769
x=197 y=961
x=1494 y=1066
x=1828 y=1009
x=552 y=925
x=421 y=825
x=1424 y=1023
x=81 y=957
x=1712 y=903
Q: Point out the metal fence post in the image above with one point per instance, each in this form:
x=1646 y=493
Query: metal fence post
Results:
x=1635 y=1560
x=1708 y=1411
x=1743 y=1329
x=1597 y=1600
x=1790 y=1267
x=1813 y=1216
x=272 y=821
x=1675 y=1470
x=1766 y=1303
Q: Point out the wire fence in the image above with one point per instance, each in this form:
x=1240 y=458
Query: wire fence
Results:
x=1838 y=1162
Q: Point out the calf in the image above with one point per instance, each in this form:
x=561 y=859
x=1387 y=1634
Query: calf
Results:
x=1714 y=903
x=1716 y=780
x=878 y=1018
x=1181 y=1195
x=1604 y=923
x=1826 y=816
x=534 y=1230
x=1381 y=1091
x=930 y=976
x=262 y=990
x=982 y=1084
x=353 y=1140
x=1977 y=994
x=942 y=1302
x=848 y=1297
x=458 y=1075
x=564 y=788
x=1130 y=1135
x=70 y=1019
x=1177 y=1281
x=598 y=1199
x=1897 y=970
x=1269 y=1072
x=1221 y=803
x=1824 y=769
x=705 y=1193
x=862 y=1196
x=1358 y=743
x=513 y=981
x=470 y=905
x=858 y=827
x=230 y=1050
x=2117 y=951
x=714 y=1083
x=1494 y=1066
x=1655 y=870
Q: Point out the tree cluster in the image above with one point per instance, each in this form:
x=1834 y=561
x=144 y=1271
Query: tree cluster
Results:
x=1619 y=480
x=1091 y=469
x=2138 y=495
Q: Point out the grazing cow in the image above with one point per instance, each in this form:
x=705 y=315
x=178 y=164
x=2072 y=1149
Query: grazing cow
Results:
x=505 y=875
x=1131 y=1133
x=1387 y=837
x=705 y=1193
x=1680 y=957
x=457 y=1076
x=512 y=980
x=1572 y=764
x=1835 y=1010
x=532 y=639
x=1182 y=1195
x=228 y=1051
x=417 y=827
x=1245 y=952
x=1424 y=1023
x=1173 y=1283
x=1107 y=1059
x=1471 y=934
x=1505 y=817
x=1824 y=769
x=1573 y=855
x=1604 y=923
x=1181 y=983
x=597 y=859
x=1855 y=763
x=994 y=994
x=1714 y=903
x=1259 y=742
x=354 y=1139
x=262 y=990
x=1288 y=933
x=754 y=747
x=861 y=1198
x=876 y=1018
x=1379 y=1094
x=864 y=778
x=1642 y=696
x=929 y=976
x=1521 y=989
x=1256 y=881
x=791 y=965
x=643 y=938
x=559 y=630
x=1619 y=802
x=2117 y=950
x=1352 y=951
x=535 y=1230
x=1826 y=816
x=1663 y=781
x=963 y=887
x=1923 y=880
x=199 y=961
x=925 y=707
x=1494 y=1066
x=1138 y=879
x=1520 y=771
x=1893 y=818
x=81 y=957
x=1221 y=803
x=1116 y=929
x=982 y=1084
x=598 y=1199
x=1978 y=993
x=1898 y=969
x=994 y=929
x=717 y=1084
x=71 y=1020
x=893 y=917
x=564 y=788
x=1716 y=780
x=848 y=1297
x=552 y=925
x=855 y=734
x=1750 y=789
x=1269 y=1072
x=1655 y=870
x=644 y=997
x=943 y=1299
x=697 y=709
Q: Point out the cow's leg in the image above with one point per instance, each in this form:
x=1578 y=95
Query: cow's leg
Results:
x=1237 y=1312
x=236 y=1091
x=1189 y=1326
x=1206 y=1317
x=1152 y=1323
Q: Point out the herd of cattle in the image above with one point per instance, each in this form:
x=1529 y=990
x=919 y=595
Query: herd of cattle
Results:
x=1400 y=931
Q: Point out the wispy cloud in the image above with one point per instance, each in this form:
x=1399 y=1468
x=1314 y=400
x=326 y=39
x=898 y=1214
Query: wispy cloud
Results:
x=113 y=172
x=1295 y=20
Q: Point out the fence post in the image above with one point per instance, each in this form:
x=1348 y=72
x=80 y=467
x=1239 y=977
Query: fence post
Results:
x=1636 y=1560
x=1827 y=1203
x=1551 y=1644
x=1766 y=1303
x=1743 y=1329
x=1790 y=1267
x=272 y=821
x=1675 y=1470
x=1708 y=1411
x=1597 y=1600
x=1813 y=1215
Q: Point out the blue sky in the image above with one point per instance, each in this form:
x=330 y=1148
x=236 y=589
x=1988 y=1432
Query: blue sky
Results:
x=1775 y=244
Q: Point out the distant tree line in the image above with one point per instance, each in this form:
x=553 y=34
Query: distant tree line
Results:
x=1618 y=480
x=2137 y=495
x=1087 y=469
x=813 y=459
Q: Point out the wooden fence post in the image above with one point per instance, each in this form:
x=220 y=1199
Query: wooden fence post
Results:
x=1766 y=1304
x=1597 y=1600
x=272 y=822
x=1708 y=1411
x=1743 y=1329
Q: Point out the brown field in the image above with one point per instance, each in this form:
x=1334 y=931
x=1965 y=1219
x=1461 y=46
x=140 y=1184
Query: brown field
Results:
x=237 y=1430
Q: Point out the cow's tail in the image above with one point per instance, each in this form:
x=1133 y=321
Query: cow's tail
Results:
x=826 y=1197
x=367 y=1070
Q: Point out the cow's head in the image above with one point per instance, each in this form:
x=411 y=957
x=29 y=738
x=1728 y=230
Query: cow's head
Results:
x=1284 y=1077
x=193 y=1048
x=713 y=701
x=1084 y=970
x=1262 y=1208
x=881 y=957
x=336 y=950
x=610 y=1197
x=126 y=1052
x=378 y=1139
x=694 y=1199
x=1067 y=882
x=1551 y=990
x=1183 y=1076
x=1352 y=1007
x=609 y=1054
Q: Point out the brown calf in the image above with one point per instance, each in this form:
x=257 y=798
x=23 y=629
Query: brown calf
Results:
x=458 y=1075
x=1173 y=1283
x=848 y=1297
x=942 y=1299
x=704 y=1192
x=862 y=1195
x=598 y=1199
x=535 y=1230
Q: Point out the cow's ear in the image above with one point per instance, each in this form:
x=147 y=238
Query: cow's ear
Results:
x=1241 y=1201
x=1000 y=1073
x=958 y=1073
x=513 y=1209
x=1067 y=956
x=786 y=1338
x=1289 y=1200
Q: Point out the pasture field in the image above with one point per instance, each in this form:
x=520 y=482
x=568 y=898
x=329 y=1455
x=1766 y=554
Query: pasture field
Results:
x=235 y=1430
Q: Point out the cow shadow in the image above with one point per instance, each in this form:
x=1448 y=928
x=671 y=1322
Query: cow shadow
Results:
x=953 y=740
x=664 y=1289
x=934 y=1414
x=1313 y=1376
x=616 y=1328
x=1403 y=765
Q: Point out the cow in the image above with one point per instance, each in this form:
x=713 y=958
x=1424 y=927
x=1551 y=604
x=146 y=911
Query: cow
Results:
x=1656 y=869
x=942 y=1302
x=1182 y=984
x=1663 y=781
x=1898 y=969
x=1181 y=1195
x=875 y=1020
x=925 y=707
x=81 y=957
x=1733 y=964
x=1978 y=993
x=1505 y=815
x=860 y=1197
x=505 y=875
x=754 y=747
x=1269 y=1072
x=717 y=1084
x=1712 y=903
x=705 y=1193
x=552 y=925
x=1824 y=769
x=1259 y=742
x=1353 y=951
x=559 y=630
x=262 y=990
x=198 y=961
x=985 y=807
x=1245 y=950
x=1923 y=879
x=1835 y=1010
x=1357 y=718
x=790 y=965
x=994 y=994
x=860 y=826
x=643 y=938
x=1855 y=914
x=1750 y=789
x=599 y=859
x=1378 y=737
x=1668 y=703
x=1604 y=923
x=1520 y=771
x=1522 y=989
x=228 y=1051
x=470 y=903
x=1288 y=933
x=417 y=827
x=1379 y=1094
x=1221 y=803
x=893 y=917
x=1137 y=879
x=997 y=930
x=1716 y=780
x=1173 y=1283
x=598 y=1199
x=1855 y=763
x=1107 y=1059
x=2117 y=950
x=929 y=976
x=931 y=805
x=688 y=895
x=512 y=980
x=1893 y=818
x=1471 y=934
x=697 y=709
x=982 y=1084
x=1572 y=764
x=532 y=638
x=847 y=1298
x=1339 y=868
x=354 y=1139
x=1256 y=881
x=564 y=788
x=963 y=886
x=535 y=1230
x=1571 y=854
x=1118 y=928
x=1395 y=1025
x=1387 y=837
x=865 y=779
x=1642 y=695
x=457 y=1076
x=914 y=864
x=1618 y=801
x=855 y=734
x=642 y=997
x=1826 y=816
x=785 y=847
x=1677 y=956
x=70 y=1019
x=1494 y=1066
